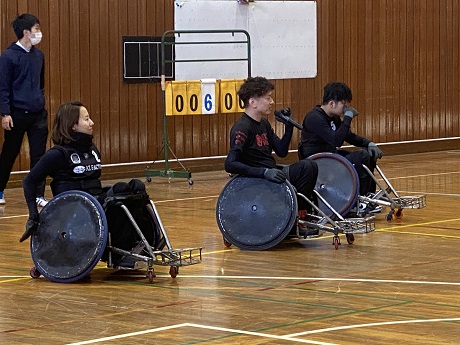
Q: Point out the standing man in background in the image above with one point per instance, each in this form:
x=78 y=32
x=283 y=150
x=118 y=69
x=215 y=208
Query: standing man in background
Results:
x=22 y=100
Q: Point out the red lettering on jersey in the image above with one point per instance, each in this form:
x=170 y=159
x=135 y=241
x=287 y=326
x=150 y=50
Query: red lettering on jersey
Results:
x=262 y=139
x=240 y=138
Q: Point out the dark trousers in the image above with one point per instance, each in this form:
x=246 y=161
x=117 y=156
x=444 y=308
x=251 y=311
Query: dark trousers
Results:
x=36 y=126
x=358 y=158
x=303 y=175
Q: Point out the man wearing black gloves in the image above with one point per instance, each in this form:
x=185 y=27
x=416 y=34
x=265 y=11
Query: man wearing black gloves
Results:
x=323 y=130
x=252 y=141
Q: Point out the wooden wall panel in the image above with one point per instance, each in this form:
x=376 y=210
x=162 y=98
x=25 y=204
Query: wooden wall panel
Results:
x=454 y=72
x=112 y=132
x=400 y=57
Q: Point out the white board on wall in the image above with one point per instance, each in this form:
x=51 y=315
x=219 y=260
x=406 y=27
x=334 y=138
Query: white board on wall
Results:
x=283 y=39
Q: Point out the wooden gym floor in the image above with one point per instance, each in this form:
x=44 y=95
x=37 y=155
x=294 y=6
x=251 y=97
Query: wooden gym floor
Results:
x=399 y=284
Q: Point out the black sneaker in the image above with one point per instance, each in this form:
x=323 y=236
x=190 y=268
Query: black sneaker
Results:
x=306 y=232
x=309 y=233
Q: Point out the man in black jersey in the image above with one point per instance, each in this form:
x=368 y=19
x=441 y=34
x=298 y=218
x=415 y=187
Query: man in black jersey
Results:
x=327 y=126
x=252 y=141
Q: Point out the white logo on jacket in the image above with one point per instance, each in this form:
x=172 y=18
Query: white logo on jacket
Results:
x=333 y=126
x=95 y=156
x=80 y=169
x=75 y=158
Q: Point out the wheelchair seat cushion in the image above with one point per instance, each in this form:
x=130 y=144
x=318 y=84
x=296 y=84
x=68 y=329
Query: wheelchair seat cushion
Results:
x=123 y=233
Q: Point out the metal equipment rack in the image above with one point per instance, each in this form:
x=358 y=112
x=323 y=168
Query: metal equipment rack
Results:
x=167 y=172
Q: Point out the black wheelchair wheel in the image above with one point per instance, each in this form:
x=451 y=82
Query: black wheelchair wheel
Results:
x=337 y=183
x=254 y=213
x=70 y=238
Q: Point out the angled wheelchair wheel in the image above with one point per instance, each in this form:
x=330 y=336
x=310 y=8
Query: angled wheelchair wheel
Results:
x=70 y=238
x=337 y=182
x=256 y=214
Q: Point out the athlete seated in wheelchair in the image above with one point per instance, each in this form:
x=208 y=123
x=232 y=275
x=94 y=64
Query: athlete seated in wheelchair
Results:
x=85 y=222
x=252 y=141
x=260 y=206
x=324 y=132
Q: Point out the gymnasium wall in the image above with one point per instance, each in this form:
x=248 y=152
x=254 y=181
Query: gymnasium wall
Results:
x=400 y=57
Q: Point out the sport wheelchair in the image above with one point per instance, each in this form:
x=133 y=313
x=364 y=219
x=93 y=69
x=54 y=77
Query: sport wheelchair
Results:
x=256 y=214
x=74 y=233
x=338 y=185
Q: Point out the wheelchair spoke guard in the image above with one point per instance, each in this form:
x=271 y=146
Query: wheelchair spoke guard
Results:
x=71 y=237
x=253 y=213
x=337 y=183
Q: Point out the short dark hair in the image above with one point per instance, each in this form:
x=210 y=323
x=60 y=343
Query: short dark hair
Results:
x=254 y=87
x=65 y=118
x=336 y=91
x=23 y=22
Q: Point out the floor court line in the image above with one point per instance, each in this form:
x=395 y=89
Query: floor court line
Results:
x=375 y=324
x=420 y=224
x=416 y=282
x=358 y=280
x=419 y=282
x=221 y=329
x=280 y=337
x=216 y=196
x=425 y=175
x=12 y=278
x=417 y=233
x=126 y=335
x=17 y=216
x=289 y=337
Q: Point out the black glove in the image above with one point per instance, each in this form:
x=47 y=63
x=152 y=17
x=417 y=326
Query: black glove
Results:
x=284 y=116
x=374 y=151
x=274 y=175
x=31 y=227
x=350 y=112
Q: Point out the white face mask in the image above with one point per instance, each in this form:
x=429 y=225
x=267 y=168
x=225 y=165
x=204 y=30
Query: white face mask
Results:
x=36 y=40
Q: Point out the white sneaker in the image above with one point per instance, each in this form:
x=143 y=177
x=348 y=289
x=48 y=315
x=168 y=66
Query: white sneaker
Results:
x=2 y=199
x=365 y=208
x=41 y=201
x=362 y=206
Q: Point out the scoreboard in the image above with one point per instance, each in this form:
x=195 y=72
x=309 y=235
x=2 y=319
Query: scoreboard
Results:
x=201 y=97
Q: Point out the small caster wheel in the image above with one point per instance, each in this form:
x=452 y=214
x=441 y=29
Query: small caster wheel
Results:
x=190 y=181
x=34 y=273
x=336 y=242
x=226 y=243
x=174 y=271
x=350 y=238
x=390 y=216
x=398 y=214
x=148 y=179
x=150 y=276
